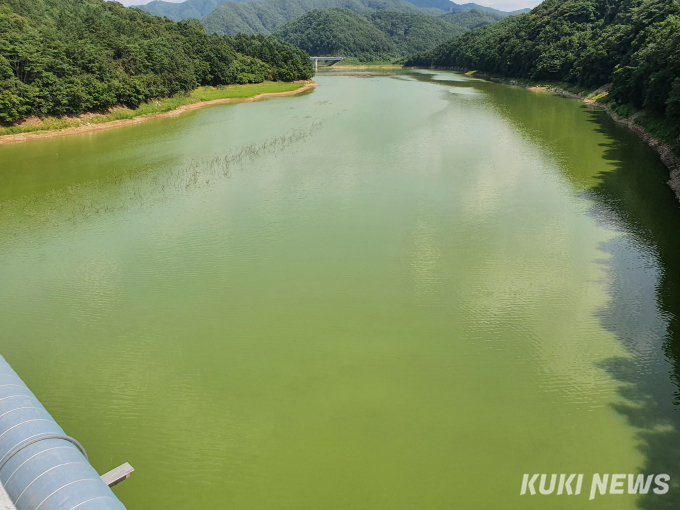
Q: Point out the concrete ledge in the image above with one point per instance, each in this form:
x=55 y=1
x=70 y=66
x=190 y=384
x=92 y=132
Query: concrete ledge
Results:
x=5 y=502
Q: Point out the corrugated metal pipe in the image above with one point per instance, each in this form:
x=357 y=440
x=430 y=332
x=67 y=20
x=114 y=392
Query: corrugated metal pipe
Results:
x=41 y=467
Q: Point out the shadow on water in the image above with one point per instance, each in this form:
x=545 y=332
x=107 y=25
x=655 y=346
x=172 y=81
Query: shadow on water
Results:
x=642 y=266
x=644 y=308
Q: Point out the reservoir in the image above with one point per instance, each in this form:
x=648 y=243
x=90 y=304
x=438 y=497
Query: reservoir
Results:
x=398 y=291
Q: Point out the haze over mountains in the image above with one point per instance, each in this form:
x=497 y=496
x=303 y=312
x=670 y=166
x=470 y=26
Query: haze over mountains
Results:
x=448 y=6
x=184 y=10
x=266 y=16
x=411 y=25
x=472 y=19
x=202 y=8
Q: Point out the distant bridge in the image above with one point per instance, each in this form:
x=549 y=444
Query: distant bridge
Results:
x=316 y=60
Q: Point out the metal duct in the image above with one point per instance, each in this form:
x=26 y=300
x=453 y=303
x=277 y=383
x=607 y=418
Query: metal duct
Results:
x=41 y=467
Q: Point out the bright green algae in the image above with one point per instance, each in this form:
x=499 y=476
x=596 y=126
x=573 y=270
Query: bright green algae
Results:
x=395 y=292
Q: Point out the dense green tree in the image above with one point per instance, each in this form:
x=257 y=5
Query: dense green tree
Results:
x=62 y=57
x=267 y=16
x=286 y=61
x=337 y=32
x=259 y=15
x=177 y=11
x=376 y=35
x=413 y=32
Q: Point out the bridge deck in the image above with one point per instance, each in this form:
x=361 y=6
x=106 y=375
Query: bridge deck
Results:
x=316 y=60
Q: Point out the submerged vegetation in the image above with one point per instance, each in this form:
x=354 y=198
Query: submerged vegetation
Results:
x=124 y=190
x=632 y=44
x=66 y=57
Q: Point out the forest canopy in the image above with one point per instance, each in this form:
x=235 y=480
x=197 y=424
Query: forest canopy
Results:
x=336 y=31
x=633 y=44
x=267 y=16
x=260 y=14
x=375 y=36
x=412 y=32
x=60 y=57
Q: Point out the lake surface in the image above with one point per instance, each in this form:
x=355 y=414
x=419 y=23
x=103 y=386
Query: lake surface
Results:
x=393 y=292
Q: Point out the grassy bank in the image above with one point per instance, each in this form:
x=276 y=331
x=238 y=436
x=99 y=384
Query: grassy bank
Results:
x=244 y=91
x=201 y=94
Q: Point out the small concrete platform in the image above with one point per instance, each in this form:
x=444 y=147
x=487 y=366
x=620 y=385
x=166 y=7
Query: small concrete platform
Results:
x=5 y=502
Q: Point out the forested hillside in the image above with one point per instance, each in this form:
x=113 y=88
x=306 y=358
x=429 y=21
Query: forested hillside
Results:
x=69 y=56
x=472 y=19
x=266 y=16
x=411 y=32
x=182 y=10
x=337 y=31
x=634 y=44
x=247 y=17
x=378 y=35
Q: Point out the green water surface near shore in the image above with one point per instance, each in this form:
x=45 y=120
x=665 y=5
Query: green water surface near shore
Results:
x=393 y=292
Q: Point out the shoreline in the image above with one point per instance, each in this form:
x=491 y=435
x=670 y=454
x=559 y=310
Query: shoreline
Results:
x=338 y=67
x=88 y=128
x=665 y=152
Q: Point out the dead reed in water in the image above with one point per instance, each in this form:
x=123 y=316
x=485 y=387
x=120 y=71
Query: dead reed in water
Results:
x=123 y=191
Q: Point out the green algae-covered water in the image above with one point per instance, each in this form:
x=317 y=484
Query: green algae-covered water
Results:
x=394 y=292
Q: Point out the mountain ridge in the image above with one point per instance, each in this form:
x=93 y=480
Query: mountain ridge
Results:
x=471 y=19
x=265 y=17
x=374 y=36
x=201 y=8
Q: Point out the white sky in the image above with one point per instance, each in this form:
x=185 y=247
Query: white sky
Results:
x=507 y=5
x=503 y=5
